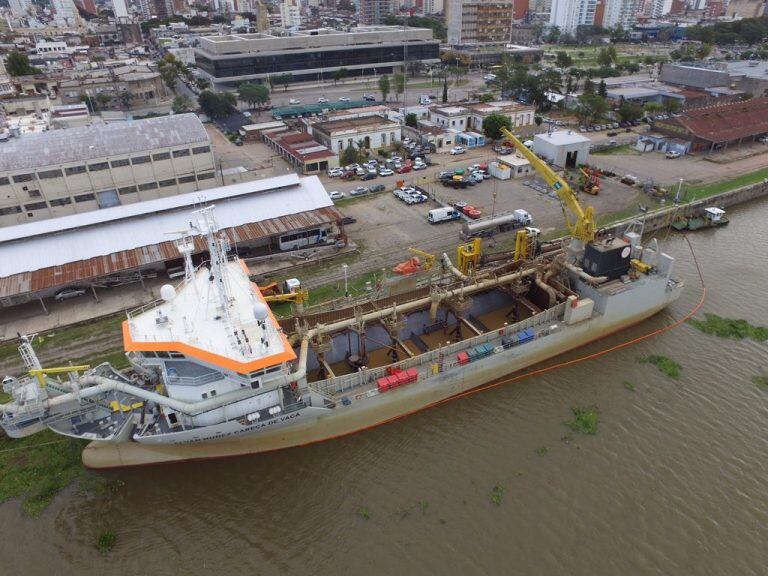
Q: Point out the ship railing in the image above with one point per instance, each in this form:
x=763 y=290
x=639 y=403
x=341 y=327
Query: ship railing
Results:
x=198 y=380
x=141 y=309
x=424 y=362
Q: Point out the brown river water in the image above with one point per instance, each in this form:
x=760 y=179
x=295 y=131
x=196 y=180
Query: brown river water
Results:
x=674 y=482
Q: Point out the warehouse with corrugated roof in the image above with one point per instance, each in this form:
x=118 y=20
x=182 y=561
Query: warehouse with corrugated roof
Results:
x=131 y=242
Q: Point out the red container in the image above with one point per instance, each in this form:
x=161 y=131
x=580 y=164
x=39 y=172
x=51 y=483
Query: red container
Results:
x=382 y=384
x=393 y=381
x=463 y=358
x=413 y=374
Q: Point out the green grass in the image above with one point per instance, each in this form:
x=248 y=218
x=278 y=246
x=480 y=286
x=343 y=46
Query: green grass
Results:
x=542 y=451
x=106 y=541
x=584 y=420
x=665 y=365
x=38 y=467
x=729 y=328
x=698 y=192
x=760 y=382
x=497 y=494
x=611 y=150
x=364 y=513
x=628 y=385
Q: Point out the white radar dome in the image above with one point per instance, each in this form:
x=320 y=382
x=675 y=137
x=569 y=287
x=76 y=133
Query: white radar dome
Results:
x=167 y=292
x=260 y=311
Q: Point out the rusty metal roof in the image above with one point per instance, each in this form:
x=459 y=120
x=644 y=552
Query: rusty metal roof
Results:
x=725 y=122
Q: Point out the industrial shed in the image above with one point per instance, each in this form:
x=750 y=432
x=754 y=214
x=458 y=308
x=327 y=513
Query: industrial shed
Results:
x=84 y=250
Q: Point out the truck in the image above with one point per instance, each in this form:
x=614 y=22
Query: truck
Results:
x=499 y=223
x=444 y=214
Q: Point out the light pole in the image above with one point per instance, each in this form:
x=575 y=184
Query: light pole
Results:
x=679 y=188
x=345 y=267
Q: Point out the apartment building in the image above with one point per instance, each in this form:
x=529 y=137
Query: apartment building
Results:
x=570 y=14
x=479 y=21
x=372 y=131
x=64 y=172
x=372 y=12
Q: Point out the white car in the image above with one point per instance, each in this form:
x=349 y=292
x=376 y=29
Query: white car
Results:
x=763 y=139
x=528 y=143
x=457 y=150
x=479 y=175
x=294 y=101
x=672 y=154
x=336 y=195
x=322 y=100
x=386 y=172
x=359 y=191
x=419 y=166
x=68 y=293
x=335 y=172
x=345 y=99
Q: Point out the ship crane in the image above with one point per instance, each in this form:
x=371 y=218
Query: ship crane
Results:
x=580 y=221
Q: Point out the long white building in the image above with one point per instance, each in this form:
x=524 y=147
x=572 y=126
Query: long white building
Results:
x=570 y=14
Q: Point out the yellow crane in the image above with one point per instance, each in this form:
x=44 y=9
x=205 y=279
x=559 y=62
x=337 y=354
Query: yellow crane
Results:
x=468 y=256
x=429 y=259
x=40 y=373
x=580 y=221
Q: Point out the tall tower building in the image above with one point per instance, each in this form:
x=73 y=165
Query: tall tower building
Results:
x=65 y=13
x=570 y=14
x=617 y=12
x=373 y=11
x=18 y=7
x=479 y=21
x=290 y=13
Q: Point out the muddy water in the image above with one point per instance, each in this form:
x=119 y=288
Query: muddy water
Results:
x=673 y=483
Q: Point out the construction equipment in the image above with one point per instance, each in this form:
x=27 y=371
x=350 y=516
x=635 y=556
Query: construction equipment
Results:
x=580 y=221
x=429 y=259
x=468 y=256
x=525 y=243
x=289 y=291
x=590 y=180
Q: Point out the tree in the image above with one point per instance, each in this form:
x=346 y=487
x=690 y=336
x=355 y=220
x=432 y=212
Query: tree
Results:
x=102 y=100
x=202 y=83
x=253 y=93
x=652 y=108
x=563 y=60
x=590 y=107
x=169 y=75
x=399 y=80
x=445 y=90
x=538 y=120
x=589 y=86
x=553 y=35
x=487 y=97
x=350 y=155
x=384 y=87
x=216 y=105
x=602 y=89
x=411 y=120
x=180 y=104
x=703 y=51
x=339 y=74
x=493 y=123
x=671 y=106
x=629 y=112
x=282 y=79
x=126 y=98
x=17 y=64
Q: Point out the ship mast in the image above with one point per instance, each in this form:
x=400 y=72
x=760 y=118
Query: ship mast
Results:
x=218 y=245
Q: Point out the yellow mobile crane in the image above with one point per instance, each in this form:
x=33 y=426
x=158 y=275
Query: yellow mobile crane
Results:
x=580 y=221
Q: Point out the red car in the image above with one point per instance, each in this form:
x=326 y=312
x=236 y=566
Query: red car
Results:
x=348 y=175
x=471 y=212
x=404 y=169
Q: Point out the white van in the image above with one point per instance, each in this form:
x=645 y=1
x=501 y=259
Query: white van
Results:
x=439 y=215
x=425 y=100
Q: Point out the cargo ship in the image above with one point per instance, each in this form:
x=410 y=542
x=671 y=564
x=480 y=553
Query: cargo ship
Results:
x=215 y=374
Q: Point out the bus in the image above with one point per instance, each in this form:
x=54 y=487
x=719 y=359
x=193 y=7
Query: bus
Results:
x=297 y=240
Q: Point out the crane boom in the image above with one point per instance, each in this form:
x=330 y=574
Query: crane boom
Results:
x=580 y=221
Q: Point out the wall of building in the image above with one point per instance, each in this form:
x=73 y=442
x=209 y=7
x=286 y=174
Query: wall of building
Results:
x=51 y=191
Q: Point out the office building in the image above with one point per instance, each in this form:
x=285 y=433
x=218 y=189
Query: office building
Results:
x=479 y=21
x=310 y=54
x=64 y=172
x=290 y=14
x=371 y=12
x=568 y=15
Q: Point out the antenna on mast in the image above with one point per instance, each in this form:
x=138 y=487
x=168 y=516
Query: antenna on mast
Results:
x=218 y=245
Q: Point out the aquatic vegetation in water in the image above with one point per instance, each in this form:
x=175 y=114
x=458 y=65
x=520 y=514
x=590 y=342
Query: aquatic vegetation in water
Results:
x=542 y=451
x=664 y=364
x=761 y=382
x=497 y=494
x=106 y=541
x=584 y=420
x=629 y=386
x=364 y=513
x=729 y=328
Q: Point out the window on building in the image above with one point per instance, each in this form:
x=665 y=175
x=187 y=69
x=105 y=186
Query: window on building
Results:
x=34 y=193
x=147 y=186
x=205 y=176
x=186 y=179
x=61 y=202
x=46 y=174
x=98 y=166
x=107 y=198
x=19 y=178
x=161 y=156
x=72 y=170
x=35 y=206
x=201 y=150
x=139 y=160
x=8 y=210
x=120 y=163
x=4 y=181
x=84 y=198
x=166 y=183
x=181 y=153
x=127 y=190
x=383 y=139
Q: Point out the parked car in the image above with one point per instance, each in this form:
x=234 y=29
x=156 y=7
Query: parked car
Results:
x=348 y=175
x=369 y=97
x=68 y=293
x=344 y=99
x=359 y=191
x=368 y=176
x=457 y=150
x=378 y=188
x=347 y=220
x=385 y=172
x=611 y=134
x=672 y=155
x=294 y=101
x=335 y=172
x=405 y=169
x=336 y=195
x=763 y=139
x=322 y=100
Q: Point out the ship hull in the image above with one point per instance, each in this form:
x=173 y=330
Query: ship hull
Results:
x=310 y=425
